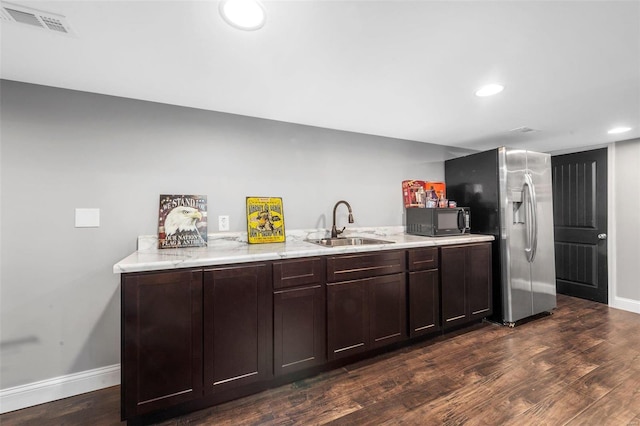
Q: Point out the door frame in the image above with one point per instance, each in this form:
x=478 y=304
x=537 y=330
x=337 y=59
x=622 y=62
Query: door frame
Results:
x=576 y=235
x=613 y=300
x=611 y=225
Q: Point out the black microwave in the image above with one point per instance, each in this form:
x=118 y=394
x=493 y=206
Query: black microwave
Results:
x=438 y=222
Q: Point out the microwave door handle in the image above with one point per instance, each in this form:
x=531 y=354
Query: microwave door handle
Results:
x=461 y=225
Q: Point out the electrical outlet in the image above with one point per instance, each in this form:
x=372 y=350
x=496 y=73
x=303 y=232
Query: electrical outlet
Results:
x=223 y=223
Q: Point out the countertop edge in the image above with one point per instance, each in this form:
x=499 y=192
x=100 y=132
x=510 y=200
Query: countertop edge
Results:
x=168 y=259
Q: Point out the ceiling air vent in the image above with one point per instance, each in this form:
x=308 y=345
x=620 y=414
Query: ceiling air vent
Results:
x=523 y=129
x=34 y=18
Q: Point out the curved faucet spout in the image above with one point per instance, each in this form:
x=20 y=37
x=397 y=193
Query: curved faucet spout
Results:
x=334 y=230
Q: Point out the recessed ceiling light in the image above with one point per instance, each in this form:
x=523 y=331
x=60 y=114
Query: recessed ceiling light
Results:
x=617 y=130
x=243 y=14
x=489 y=90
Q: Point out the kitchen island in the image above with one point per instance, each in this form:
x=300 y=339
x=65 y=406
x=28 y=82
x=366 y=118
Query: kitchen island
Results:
x=206 y=325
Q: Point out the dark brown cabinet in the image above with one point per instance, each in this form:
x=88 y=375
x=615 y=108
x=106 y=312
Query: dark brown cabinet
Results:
x=454 y=294
x=479 y=280
x=466 y=283
x=424 y=295
x=368 y=309
x=237 y=326
x=196 y=337
x=299 y=315
x=353 y=266
x=387 y=310
x=347 y=318
x=161 y=340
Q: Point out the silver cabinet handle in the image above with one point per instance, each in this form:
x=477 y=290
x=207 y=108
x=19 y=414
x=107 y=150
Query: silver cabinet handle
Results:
x=602 y=236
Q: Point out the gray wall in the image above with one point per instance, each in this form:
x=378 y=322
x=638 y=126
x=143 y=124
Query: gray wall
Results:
x=59 y=301
x=627 y=227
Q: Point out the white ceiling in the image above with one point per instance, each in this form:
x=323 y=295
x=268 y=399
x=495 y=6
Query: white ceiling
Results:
x=402 y=69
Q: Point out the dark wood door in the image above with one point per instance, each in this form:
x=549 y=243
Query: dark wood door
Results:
x=454 y=296
x=237 y=326
x=299 y=314
x=347 y=318
x=387 y=309
x=580 y=224
x=424 y=294
x=466 y=278
x=299 y=337
x=424 y=302
x=162 y=340
x=478 y=277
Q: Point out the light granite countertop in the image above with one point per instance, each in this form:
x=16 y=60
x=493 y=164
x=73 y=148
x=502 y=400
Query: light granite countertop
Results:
x=232 y=247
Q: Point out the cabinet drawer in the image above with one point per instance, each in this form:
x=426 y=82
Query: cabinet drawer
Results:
x=297 y=272
x=350 y=267
x=423 y=259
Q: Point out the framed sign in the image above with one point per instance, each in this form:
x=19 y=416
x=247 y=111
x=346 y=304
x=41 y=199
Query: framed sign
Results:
x=265 y=220
x=182 y=221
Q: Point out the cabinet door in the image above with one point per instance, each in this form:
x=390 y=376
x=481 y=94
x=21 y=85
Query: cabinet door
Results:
x=347 y=318
x=237 y=324
x=387 y=309
x=479 y=280
x=424 y=303
x=454 y=295
x=161 y=340
x=299 y=328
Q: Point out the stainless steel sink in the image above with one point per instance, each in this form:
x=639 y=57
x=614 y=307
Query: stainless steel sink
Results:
x=353 y=241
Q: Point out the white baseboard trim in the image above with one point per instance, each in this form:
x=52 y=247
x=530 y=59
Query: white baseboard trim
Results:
x=625 y=304
x=31 y=394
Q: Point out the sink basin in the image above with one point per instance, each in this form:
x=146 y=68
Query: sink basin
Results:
x=353 y=241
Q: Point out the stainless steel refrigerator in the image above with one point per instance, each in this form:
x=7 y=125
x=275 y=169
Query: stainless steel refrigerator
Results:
x=509 y=194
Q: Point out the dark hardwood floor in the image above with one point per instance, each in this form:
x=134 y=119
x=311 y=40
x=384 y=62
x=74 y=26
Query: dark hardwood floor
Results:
x=579 y=366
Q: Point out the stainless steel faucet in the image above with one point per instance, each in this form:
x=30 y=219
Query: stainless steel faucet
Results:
x=334 y=230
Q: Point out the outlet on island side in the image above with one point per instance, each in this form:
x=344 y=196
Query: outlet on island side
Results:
x=223 y=223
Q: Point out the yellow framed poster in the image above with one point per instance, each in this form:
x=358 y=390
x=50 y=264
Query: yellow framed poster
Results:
x=265 y=220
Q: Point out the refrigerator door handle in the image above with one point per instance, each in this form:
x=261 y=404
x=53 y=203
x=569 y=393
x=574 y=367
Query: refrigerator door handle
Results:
x=532 y=222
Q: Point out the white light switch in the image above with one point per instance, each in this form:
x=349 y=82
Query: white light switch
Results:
x=87 y=218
